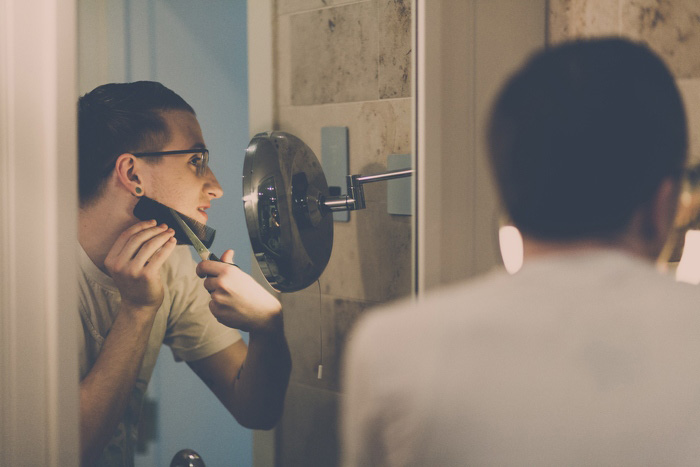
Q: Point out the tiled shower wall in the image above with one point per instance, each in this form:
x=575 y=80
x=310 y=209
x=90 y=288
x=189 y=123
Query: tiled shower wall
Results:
x=342 y=63
x=348 y=63
x=670 y=27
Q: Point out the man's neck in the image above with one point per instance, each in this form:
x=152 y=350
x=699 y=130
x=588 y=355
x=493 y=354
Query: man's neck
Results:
x=534 y=248
x=101 y=223
x=644 y=236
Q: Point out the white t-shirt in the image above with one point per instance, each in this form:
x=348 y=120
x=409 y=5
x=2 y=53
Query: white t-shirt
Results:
x=183 y=322
x=583 y=359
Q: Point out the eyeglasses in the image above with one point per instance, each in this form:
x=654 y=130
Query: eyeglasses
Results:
x=201 y=162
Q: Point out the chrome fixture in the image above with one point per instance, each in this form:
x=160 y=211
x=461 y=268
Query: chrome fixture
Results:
x=288 y=207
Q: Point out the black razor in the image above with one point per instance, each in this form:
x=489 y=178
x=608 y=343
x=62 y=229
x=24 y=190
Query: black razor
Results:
x=188 y=231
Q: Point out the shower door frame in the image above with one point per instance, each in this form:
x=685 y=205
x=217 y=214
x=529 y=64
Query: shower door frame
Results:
x=465 y=49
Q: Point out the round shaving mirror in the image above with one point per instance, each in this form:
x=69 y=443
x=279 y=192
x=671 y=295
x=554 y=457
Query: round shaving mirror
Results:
x=283 y=189
x=288 y=208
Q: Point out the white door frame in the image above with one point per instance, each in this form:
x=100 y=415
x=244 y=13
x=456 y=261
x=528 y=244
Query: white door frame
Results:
x=38 y=233
x=261 y=117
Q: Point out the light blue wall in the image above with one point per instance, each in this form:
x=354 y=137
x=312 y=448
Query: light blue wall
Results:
x=199 y=50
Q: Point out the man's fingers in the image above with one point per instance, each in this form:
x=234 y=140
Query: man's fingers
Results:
x=158 y=258
x=128 y=233
x=151 y=246
x=136 y=241
x=210 y=283
x=227 y=257
x=213 y=268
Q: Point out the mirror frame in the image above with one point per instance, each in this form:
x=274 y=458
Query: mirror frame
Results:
x=455 y=42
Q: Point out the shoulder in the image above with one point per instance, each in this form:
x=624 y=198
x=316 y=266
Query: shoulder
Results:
x=435 y=306
x=181 y=255
x=180 y=264
x=400 y=327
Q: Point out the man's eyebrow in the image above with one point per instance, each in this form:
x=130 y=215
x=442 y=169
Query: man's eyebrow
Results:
x=198 y=146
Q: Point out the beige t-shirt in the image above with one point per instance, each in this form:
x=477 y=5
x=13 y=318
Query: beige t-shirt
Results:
x=183 y=322
x=581 y=359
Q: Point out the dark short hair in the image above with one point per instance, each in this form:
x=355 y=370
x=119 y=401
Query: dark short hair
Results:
x=583 y=135
x=118 y=118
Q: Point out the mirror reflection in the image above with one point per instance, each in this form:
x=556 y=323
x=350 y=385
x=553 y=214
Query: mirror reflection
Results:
x=358 y=76
x=181 y=46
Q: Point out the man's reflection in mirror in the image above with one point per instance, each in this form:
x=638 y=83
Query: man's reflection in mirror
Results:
x=139 y=290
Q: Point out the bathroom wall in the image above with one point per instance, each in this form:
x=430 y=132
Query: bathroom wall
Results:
x=670 y=27
x=341 y=63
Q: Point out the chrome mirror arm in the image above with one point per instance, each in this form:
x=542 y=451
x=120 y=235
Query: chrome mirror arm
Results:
x=355 y=199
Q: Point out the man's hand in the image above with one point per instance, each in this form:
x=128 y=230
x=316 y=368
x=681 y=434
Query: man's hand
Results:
x=237 y=300
x=134 y=262
x=251 y=382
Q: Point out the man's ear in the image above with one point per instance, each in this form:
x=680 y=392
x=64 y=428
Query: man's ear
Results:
x=126 y=171
x=667 y=201
x=663 y=208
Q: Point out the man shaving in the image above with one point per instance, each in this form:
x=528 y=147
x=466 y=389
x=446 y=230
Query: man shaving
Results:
x=139 y=290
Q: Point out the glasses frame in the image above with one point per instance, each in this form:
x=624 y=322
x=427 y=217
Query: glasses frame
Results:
x=201 y=168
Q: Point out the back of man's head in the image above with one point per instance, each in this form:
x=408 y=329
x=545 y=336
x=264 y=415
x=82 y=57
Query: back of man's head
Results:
x=119 y=118
x=583 y=136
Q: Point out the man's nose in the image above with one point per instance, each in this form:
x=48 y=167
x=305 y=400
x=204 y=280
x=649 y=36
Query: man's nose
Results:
x=212 y=186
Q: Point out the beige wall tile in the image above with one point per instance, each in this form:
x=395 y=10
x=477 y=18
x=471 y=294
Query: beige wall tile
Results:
x=371 y=257
x=334 y=55
x=302 y=327
x=295 y=6
x=308 y=432
x=570 y=19
x=342 y=316
x=690 y=89
x=375 y=130
x=395 y=46
x=558 y=20
x=601 y=18
x=672 y=28
x=283 y=62
x=310 y=318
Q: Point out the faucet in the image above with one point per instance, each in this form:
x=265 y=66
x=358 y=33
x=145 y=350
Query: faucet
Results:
x=187 y=458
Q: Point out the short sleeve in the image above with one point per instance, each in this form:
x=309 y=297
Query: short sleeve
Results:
x=361 y=423
x=192 y=331
x=381 y=417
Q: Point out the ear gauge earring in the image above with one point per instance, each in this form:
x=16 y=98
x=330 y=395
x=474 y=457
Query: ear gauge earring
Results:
x=139 y=191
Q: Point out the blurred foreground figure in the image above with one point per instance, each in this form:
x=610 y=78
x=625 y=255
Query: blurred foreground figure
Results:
x=587 y=356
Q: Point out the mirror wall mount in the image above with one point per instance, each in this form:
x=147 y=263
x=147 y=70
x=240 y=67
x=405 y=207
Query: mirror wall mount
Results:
x=355 y=199
x=288 y=208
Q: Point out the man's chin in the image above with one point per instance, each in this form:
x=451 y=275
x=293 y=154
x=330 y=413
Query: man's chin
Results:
x=202 y=217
